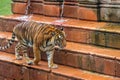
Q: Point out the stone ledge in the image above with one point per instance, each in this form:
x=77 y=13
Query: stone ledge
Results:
x=25 y=72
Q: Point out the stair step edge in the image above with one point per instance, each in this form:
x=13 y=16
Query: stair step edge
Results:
x=90 y=25
x=62 y=70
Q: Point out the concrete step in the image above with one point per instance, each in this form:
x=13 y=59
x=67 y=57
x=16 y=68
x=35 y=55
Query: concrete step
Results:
x=95 y=33
x=23 y=71
x=81 y=56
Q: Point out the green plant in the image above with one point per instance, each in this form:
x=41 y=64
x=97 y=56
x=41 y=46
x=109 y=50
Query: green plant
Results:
x=5 y=7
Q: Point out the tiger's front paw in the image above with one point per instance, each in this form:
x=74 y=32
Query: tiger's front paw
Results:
x=30 y=62
x=19 y=57
x=53 y=66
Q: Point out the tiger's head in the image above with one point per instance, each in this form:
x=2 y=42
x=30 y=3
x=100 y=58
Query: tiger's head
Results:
x=60 y=38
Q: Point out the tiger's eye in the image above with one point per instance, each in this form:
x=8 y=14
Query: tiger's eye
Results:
x=61 y=37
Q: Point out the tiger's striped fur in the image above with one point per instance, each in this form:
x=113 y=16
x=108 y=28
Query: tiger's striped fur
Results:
x=42 y=37
x=9 y=43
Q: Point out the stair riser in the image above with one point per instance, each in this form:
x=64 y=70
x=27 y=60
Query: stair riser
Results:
x=54 y=9
x=51 y=9
x=26 y=73
x=37 y=0
x=19 y=8
x=99 y=1
x=8 y=25
x=88 y=62
x=89 y=11
x=100 y=64
x=35 y=9
x=19 y=0
x=79 y=35
x=110 y=13
x=107 y=39
x=71 y=33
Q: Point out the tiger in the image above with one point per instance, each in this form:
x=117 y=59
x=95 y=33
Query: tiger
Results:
x=41 y=37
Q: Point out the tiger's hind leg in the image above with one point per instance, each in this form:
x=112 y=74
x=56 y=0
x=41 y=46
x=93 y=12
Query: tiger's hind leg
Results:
x=17 y=51
x=25 y=55
x=22 y=48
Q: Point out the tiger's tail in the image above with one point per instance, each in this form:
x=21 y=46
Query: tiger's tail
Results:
x=10 y=42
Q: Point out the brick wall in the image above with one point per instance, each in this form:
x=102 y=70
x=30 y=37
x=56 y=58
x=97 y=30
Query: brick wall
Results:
x=83 y=9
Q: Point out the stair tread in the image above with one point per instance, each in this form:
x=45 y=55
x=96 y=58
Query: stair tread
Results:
x=62 y=70
x=75 y=23
x=82 y=48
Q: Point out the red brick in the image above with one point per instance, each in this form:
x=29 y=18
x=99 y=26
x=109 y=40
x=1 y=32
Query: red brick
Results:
x=92 y=63
x=82 y=35
x=44 y=56
x=62 y=78
x=16 y=73
x=50 y=0
x=1 y=69
x=7 y=79
x=37 y=8
x=10 y=25
x=99 y=64
x=89 y=1
x=113 y=40
x=18 y=8
x=1 y=25
x=72 y=59
x=19 y=0
x=70 y=11
x=80 y=60
x=51 y=10
x=105 y=39
x=25 y=73
x=110 y=1
x=60 y=57
x=37 y=75
x=109 y=67
x=37 y=0
x=98 y=38
x=1 y=78
x=110 y=12
x=87 y=13
x=56 y=77
x=87 y=62
x=6 y=70
x=118 y=68
x=52 y=77
x=105 y=65
x=7 y=25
